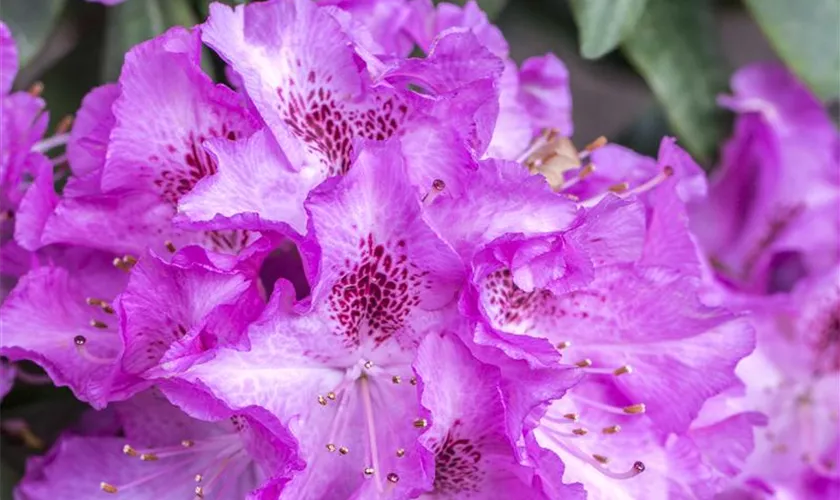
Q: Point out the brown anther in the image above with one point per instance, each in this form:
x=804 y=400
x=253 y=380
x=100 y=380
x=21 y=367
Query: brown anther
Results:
x=393 y=477
x=125 y=263
x=322 y=401
x=79 y=340
x=438 y=185
x=148 y=457
x=580 y=431
x=368 y=365
x=331 y=447
x=64 y=125
x=107 y=487
x=368 y=471
x=619 y=188
x=634 y=409
x=584 y=363
x=572 y=416
x=586 y=171
x=622 y=370
x=396 y=379
x=186 y=443
x=412 y=381
x=107 y=309
x=601 y=459
x=668 y=171
x=198 y=478
x=199 y=492
x=91 y=301
x=597 y=143
x=331 y=396
x=128 y=450
x=613 y=429
x=343 y=450
x=563 y=345
x=400 y=453
x=170 y=246
x=420 y=423
x=36 y=90
x=98 y=324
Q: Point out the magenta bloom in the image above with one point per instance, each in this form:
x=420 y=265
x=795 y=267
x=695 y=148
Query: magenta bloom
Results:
x=164 y=452
x=773 y=212
x=478 y=309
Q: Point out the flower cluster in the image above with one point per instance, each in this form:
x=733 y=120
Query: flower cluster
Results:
x=376 y=267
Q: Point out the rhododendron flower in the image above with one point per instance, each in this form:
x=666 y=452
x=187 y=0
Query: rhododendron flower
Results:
x=366 y=274
x=772 y=213
x=164 y=453
x=773 y=249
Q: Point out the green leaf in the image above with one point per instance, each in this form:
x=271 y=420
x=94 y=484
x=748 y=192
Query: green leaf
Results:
x=603 y=24
x=805 y=36
x=135 y=21
x=674 y=47
x=31 y=22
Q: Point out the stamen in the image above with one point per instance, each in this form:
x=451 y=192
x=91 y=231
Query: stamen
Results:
x=331 y=447
x=619 y=188
x=36 y=89
x=125 y=263
x=651 y=183
x=412 y=381
x=51 y=143
x=98 y=324
x=64 y=125
x=128 y=450
x=371 y=428
x=331 y=396
x=198 y=478
x=170 y=246
x=369 y=471
x=393 y=477
x=597 y=143
x=574 y=417
x=400 y=453
x=396 y=379
x=322 y=401
x=420 y=423
x=81 y=348
x=187 y=443
x=634 y=409
x=148 y=457
x=584 y=363
x=368 y=365
x=199 y=492
x=613 y=429
x=564 y=345
x=621 y=370
x=343 y=450
x=19 y=428
x=102 y=304
x=601 y=459
x=107 y=487
x=437 y=187
x=580 y=431
x=637 y=468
